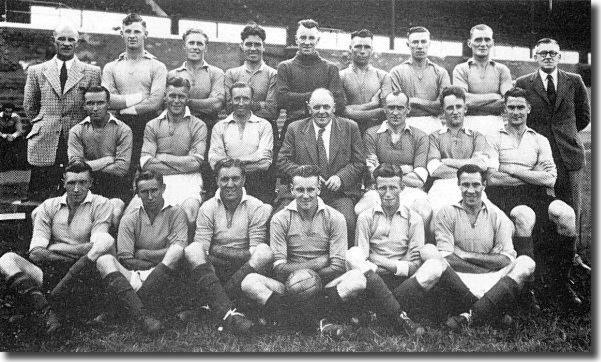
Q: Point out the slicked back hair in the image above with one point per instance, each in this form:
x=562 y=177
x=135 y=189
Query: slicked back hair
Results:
x=363 y=33
x=452 y=90
x=308 y=23
x=146 y=175
x=79 y=167
x=417 y=29
x=195 y=31
x=229 y=163
x=253 y=29
x=480 y=27
x=98 y=89
x=133 y=18
x=471 y=168
x=387 y=170
x=516 y=92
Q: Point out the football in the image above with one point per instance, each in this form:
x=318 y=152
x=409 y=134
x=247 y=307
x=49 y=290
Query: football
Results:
x=303 y=284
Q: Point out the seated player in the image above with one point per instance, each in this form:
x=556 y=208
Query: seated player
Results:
x=70 y=232
x=421 y=80
x=395 y=142
x=229 y=244
x=103 y=142
x=150 y=244
x=475 y=238
x=522 y=172
x=246 y=137
x=308 y=240
x=452 y=147
x=174 y=145
x=334 y=144
x=484 y=80
x=389 y=238
x=13 y=147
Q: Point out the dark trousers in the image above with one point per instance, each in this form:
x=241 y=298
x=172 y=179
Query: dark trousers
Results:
x=137 y=123
x=13 y=155
x=112 y=186
x=568 y=188
x=46 y=181
x=261 y=184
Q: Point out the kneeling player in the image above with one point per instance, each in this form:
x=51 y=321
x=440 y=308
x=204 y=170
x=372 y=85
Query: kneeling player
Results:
x=150 y=244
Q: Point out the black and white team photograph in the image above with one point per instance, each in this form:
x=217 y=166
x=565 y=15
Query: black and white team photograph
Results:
x=296 y=176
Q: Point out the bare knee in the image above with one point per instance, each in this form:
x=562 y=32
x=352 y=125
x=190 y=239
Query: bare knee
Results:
x=430 y=272
x=261 y=256
x=195 y=254
x=9 y=263
x=564 y=217
x=106 y=264
x=190 y=207
x=523 y=218
x=118 y=206
x=355 y=257
x=523 y=268
x=351 y=284
x=429 y=251
x=173 y=255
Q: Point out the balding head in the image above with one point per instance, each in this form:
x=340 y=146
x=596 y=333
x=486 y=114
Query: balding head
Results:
x=322 y=106
x=66 y=37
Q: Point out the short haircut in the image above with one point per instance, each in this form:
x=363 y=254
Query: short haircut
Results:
x=253 y=29
x=146 y=175
x=516 y=92
x=471 y=168
x=242 y=85
x=363 y=33
x=8 y=105
x=229 y=163
x=479 y=27
x=397 y=93
x=195 y=31
x=417 y=29
x=78 y=167
x=98 y=89
x=452 y=90
x=306 y=171
x=178 y=82
x=387 y=170
x=546 y=41
x=133 y=18
x=308 y=23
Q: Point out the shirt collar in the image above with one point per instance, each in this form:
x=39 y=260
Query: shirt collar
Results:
x=503 y=129
x=111 y=119
x=327 y=128
x=384 y=127
x=69 y=63
x=146 y=55
x=260 y=69
x=251 y=119
x=166 y=204
x=354 y=67
x=89 y=196
x=184 y=65
x=292 y=206
x=187 y=113
x=410 y=61
x=403 y=211
x=485 y=204
x=471 y=60
x=467 y=131
x=245 y=196
x=543 y=75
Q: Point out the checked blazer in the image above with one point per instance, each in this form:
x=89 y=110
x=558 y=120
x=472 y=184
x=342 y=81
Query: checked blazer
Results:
x=559 y=122
x=50 y=109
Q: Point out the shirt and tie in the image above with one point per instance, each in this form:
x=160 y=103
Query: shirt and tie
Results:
x=550 y=84
x=63 y=69
x=323 y=143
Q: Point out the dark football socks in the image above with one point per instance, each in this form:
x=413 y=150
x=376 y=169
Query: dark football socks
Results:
x=377 y=290
x=523 y=246
x=205 y=283
x=500 y=298
x=233 y=285
x=458 y=296
x=81 y=267
x=116 y=284
x=27 y=291
x=153 y=287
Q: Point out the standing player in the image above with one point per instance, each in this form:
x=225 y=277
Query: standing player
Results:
x=421 y=80
x=307 y=71
x=365 y=86
x=136 y=81
x=484 y=80
x=53 y=99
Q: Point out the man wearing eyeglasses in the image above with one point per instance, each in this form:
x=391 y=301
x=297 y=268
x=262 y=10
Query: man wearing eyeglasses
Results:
x=560 y=109
x=484 y=80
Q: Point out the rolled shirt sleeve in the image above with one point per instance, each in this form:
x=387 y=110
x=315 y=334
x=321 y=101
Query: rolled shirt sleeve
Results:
x=257 y=228
x=279 y=225
x=443 y=231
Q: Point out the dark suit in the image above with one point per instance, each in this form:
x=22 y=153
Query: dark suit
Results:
x=347 y=160
x=560 y=123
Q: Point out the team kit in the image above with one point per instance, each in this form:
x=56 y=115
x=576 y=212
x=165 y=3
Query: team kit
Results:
x=302 y=197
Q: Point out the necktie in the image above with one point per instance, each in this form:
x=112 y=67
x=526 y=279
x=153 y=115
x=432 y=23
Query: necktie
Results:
x=321 y=150
x=63 y=76
x=551 y=94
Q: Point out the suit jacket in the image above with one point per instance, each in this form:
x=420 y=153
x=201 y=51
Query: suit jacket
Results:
x=50 y=109
x=559 y=122
x=347 y=152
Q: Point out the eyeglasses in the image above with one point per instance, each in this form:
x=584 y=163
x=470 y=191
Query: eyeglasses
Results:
x=544 y=54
